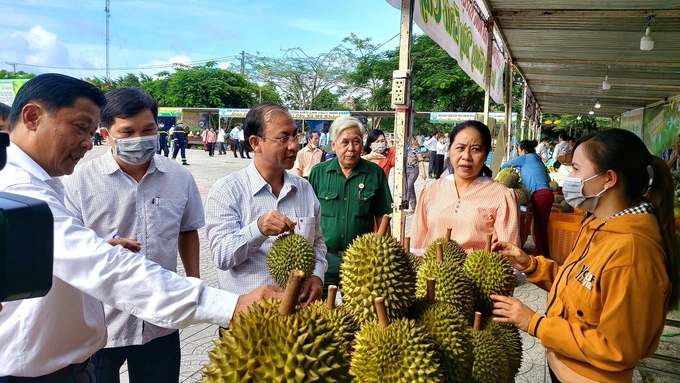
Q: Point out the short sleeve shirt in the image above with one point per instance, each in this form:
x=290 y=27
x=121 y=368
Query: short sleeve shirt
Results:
x=349 y=204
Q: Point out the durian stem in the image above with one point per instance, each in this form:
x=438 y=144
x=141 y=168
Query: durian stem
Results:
x=430 y=290
x=448 y=233
x=488 y=242
x=380 y=308
x=384 y=225
x=330 y=301
x=407 y=244
x=292 y=294
x=440 y=252
x=291 y=231
x=478 y=321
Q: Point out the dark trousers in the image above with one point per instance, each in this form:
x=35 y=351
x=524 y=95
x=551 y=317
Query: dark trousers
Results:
x=223 y=147
x=211 y=149
x=180 y=145
x=235 y=146
x=438 y=165
x=97 y=138
x=163 y=145
x=75 y=373
x=430 y=166
x=411 y=176
x=156 y=361
x=542 y=201
x=241 y=147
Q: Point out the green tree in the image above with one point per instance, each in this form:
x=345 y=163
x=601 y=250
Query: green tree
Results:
x=327 y=100
x=301 y=78
x=6 y=75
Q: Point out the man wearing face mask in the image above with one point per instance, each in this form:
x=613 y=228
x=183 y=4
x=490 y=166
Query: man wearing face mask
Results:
x=143 y=202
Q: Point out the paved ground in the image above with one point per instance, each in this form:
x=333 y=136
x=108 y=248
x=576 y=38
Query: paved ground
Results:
x=197 y=340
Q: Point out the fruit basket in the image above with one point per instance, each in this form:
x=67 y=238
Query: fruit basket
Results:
x=562 y=232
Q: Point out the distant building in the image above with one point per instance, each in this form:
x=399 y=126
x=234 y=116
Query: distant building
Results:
x=348 y=103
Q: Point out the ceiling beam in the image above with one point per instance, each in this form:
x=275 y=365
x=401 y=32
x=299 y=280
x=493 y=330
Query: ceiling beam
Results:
x=590 y=13
x=599 y=83
x=528 y=62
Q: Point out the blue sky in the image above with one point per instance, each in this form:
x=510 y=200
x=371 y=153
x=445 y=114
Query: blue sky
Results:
x=71 y=33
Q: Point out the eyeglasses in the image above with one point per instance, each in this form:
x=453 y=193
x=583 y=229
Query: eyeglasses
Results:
x=285 y=140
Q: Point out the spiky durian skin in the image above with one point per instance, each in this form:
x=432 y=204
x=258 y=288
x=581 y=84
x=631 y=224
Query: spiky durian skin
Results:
x=554 y=186
x=290 y=252
x=452 y=337
x=263 y=346
x=340 y=319
x=452 y=251
x=489 y=365
x=402 y=352
x=453 y=286
x=523 y=195
x=375 y=266
x=511 y=180
x=511 y=341
x=490 y=273
x=503 y=174
x=559 y=198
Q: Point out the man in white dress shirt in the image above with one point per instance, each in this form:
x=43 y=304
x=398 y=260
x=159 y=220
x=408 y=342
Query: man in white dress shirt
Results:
x=246 y=210
x=152 y=201
x=52 y=338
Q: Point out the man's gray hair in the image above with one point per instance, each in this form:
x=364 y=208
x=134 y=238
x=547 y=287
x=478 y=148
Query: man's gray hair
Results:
x=342 y=123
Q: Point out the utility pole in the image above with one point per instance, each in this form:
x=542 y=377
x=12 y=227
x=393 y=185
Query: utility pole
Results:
x=243 y=63
x=14 y=66
x=108 y=14
x=403 y=118
x=487 y=79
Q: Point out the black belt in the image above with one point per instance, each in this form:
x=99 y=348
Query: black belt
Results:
x=68 y=371
x=335 y=252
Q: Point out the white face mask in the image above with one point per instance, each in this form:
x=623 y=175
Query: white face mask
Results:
x=135 y=150
x=572 y=188
x=379 y=147
x=312 y=145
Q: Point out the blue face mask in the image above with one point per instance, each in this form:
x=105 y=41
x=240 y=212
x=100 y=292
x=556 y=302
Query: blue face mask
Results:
x=572 y=188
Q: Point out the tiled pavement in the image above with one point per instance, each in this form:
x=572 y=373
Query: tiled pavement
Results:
x=197 y=340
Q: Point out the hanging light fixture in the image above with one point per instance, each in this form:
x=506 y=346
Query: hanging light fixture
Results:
x=647 y=41
x=579 y=117
x=605 y=84
x=597 y=104
x=591 y=111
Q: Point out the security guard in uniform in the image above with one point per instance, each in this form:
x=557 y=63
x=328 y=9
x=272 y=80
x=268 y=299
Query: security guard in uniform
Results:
x=180 y=137
x=162 y=139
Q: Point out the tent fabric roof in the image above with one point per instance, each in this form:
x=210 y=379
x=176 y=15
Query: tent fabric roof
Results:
x=563 y=48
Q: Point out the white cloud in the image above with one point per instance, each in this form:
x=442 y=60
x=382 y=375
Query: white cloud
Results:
x=41 y=47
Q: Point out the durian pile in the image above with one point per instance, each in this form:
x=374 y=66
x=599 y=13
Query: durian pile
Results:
x=403 y=319
x=561 y=204
x=511 y=178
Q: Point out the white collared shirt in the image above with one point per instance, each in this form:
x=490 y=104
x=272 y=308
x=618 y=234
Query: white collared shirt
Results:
x=42 y=335
x=238 y=248
x=153 y=212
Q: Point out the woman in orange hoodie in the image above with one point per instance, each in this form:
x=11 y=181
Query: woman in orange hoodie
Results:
x=607 y=304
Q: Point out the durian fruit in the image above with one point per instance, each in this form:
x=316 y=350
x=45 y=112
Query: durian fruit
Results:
x=288 y=252
x=276 y=342
x=510 y=340
x=490 y=273
x=566 y=207
x=451 y=334
x=523 y=194
x=338 y=317
x=554 y=186
x=453 y=252
x=416 y=261
x=508 y=177
x=559 y=199
x=453 y=284
x=393 y=351
x=489 y=359
x=376 y=266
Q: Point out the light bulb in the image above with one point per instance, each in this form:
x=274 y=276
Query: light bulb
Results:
x=597 y=104
x=591 y=112
x=579 y=117
x=647 y=41
x=605 y=84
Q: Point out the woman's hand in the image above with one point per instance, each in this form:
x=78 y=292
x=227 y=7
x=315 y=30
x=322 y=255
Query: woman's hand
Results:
x=373 y=156
x=511 y=310
x=518 y=258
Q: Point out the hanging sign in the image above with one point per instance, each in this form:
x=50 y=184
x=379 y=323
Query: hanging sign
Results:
x=457 y=27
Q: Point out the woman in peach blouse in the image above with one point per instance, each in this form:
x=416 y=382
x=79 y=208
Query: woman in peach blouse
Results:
x=469 y=201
